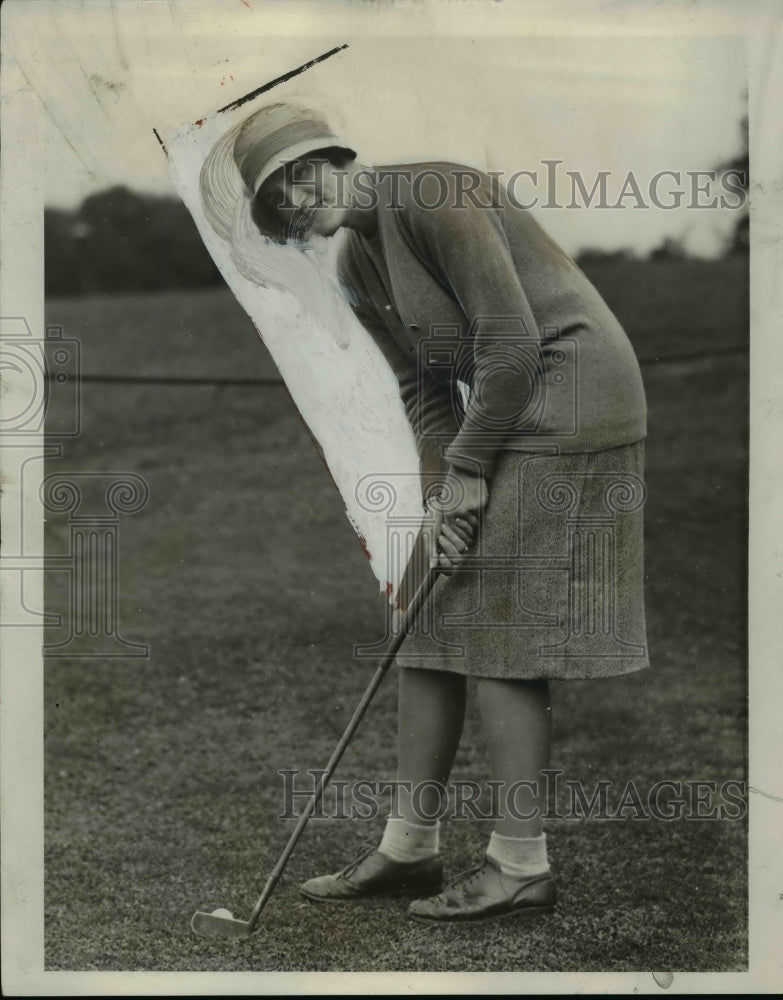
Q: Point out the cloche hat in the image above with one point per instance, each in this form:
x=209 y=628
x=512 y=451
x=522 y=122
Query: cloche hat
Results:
x=250 y=152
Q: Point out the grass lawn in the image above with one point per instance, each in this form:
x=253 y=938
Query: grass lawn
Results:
x=246 y=580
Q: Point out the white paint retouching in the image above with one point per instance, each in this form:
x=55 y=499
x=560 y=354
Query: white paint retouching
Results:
x=337 y=377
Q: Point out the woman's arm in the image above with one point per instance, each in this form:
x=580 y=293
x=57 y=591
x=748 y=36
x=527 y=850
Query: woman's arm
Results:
x=467 y=248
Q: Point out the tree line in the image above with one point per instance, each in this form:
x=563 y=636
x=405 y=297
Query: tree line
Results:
x=123 y=241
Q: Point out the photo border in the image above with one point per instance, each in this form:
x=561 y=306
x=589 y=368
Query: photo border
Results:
x=21 y=679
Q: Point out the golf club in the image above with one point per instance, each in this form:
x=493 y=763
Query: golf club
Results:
x=220 y=923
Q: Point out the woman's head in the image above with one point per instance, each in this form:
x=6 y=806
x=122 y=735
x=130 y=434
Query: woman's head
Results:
x=310 y=194
x=293 y=167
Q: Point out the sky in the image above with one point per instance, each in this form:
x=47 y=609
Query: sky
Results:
x=622 y=88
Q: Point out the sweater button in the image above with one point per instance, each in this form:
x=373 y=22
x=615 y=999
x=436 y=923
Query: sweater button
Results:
x=387 y=307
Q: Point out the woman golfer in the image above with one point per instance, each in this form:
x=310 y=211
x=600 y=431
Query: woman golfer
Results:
x=527 y=403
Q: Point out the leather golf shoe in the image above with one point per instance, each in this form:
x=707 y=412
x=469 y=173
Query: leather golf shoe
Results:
x=485 y=893
x=373 y=874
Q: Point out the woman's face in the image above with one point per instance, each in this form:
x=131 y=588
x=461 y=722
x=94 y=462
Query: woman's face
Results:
x=310 y=197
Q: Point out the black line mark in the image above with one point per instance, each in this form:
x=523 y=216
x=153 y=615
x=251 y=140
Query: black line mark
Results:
x=767 y=795
x=716 y=352
x=276 y=380
x=281 y=79
x=162 y=144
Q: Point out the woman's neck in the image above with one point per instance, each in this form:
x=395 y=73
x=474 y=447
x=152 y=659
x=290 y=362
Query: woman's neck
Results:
x=362 y=218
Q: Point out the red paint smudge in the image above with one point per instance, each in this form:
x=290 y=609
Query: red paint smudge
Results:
x=247 y=4
x=363 y=543
x=200 y=122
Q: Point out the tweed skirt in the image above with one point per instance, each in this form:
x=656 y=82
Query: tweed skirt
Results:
x=554 y=584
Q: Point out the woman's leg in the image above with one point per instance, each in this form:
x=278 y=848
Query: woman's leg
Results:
x=515 y=878
x=429 y=725
x=517 y=722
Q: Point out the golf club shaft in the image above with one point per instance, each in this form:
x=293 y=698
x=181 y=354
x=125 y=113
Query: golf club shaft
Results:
x=407 y=620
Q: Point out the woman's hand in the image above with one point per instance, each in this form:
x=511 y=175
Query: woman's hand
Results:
x=464 y=494
x=453 y=518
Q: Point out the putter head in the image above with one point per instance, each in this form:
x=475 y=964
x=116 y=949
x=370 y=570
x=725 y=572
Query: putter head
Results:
x=219 y=924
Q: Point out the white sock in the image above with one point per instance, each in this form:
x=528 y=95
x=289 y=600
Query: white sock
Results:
x=406 y=842
x=519 y=856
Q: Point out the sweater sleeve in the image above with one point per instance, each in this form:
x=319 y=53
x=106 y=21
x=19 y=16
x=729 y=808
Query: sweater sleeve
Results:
x=429 y=406
x=468 y=250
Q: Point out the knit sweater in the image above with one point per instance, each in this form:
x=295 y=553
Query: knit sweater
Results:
x=468 y=298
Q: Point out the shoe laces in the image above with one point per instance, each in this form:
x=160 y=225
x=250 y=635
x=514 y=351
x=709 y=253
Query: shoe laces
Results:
x=351 y=867
x=463 y=880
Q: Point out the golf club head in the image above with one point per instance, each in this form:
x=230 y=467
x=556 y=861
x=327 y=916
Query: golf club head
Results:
x=219 y=924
